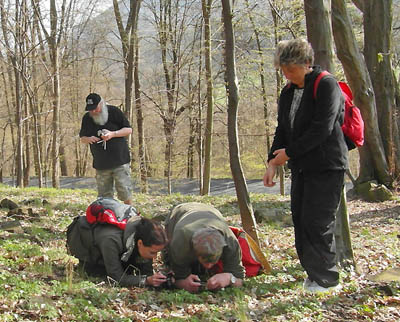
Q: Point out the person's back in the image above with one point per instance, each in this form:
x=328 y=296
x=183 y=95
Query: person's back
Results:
x=198 y=234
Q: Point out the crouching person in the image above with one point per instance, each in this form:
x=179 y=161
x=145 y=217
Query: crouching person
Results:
x=124 y=255
x=199 y=238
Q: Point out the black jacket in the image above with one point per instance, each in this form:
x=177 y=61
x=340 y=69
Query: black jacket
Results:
x=316 y=143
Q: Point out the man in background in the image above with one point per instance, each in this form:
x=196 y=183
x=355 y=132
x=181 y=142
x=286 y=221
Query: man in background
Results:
x=105 y=128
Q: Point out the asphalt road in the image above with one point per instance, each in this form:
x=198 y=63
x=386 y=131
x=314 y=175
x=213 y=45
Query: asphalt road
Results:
x=159 y=186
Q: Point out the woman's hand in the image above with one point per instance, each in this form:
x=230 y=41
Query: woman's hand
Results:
x=156 y=280
x=280 y=157
x=269 y=175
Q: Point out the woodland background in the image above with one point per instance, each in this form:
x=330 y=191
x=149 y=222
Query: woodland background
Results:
x=163 y=63
x=175 y=67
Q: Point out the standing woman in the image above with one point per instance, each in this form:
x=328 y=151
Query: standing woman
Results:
x=310 y=139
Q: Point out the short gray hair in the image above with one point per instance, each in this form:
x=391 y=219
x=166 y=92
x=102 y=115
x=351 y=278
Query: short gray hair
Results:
x=296 y=51
x=208 y=243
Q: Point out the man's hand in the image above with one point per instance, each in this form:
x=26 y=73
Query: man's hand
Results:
x=190 y=283
x=89 y=139
x=108 y=135
x=156 y=280
x=219 y=281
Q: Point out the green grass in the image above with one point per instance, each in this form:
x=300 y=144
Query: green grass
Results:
x=39 y=281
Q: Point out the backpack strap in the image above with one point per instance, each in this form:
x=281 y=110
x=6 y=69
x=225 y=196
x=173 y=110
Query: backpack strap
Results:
x=317 y=80
x=258 y=252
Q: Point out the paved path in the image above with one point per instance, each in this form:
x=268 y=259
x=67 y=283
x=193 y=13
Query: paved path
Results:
x=159 y=186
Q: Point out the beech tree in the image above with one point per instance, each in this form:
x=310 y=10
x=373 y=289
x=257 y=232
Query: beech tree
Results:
x=373 y=162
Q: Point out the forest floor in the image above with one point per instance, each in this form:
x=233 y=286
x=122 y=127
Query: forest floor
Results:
x=39 y=280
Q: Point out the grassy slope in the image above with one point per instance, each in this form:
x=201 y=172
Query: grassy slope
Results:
x=38 y=280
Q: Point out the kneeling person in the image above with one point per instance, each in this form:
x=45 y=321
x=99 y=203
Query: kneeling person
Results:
x=199 y=238
x=125 y=255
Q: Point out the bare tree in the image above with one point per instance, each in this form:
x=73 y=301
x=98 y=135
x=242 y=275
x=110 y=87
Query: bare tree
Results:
x=172 y=20
x=372 y=155
x=127 y=35
x=140 y=122
x=246 y=210
x=378 y=53
x=206 y=6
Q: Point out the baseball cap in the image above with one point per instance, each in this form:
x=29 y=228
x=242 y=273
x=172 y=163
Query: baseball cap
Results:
x=92 y=100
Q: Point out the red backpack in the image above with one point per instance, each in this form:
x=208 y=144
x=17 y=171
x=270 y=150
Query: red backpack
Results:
x=109 y=211
x=253 y=265
x=353 y=125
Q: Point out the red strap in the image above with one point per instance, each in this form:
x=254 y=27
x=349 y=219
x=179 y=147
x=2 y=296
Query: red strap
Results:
x=317 y=80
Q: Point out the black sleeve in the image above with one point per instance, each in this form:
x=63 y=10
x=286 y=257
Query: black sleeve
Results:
x=86 y=128
x=328 y=103
x=121 y=119
x=279 y=141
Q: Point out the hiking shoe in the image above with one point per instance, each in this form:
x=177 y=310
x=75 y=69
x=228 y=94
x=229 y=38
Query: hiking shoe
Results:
x=314 y=287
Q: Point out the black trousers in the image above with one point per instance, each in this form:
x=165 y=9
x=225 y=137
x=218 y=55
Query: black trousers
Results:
x=315 y=199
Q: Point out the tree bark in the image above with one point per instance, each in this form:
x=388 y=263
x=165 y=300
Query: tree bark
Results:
x=373 y=164
x=246 y=211
x=206 y=6
x=140 y=123
x=319 y=33
x=53 y=41
x=377 y=53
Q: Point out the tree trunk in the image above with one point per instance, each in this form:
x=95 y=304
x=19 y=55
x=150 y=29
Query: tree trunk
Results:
x=246 y=211
x=377 y=53
x=206 y=5
x=261 y=71
x=19 y=98
x=344 y=248
x=140 y=123
x=319 y=33
x=373 y=164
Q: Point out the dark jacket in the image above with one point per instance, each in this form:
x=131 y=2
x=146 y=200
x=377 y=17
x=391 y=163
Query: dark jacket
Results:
x=117 y=150
x=183 y=221
x=316 y=143
x=103 y=247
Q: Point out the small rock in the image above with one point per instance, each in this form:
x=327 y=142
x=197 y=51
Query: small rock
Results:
x=373 y=192
x=9 y=204
x=273 y=216
x=17 y=214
